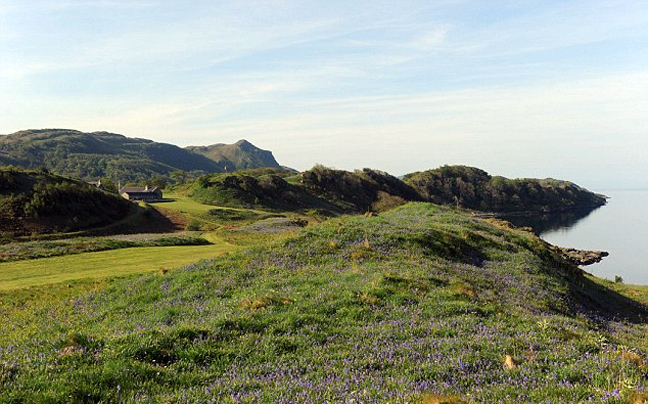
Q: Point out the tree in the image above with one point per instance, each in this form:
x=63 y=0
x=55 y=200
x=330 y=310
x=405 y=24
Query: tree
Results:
x=179 y=176
x=159 y=181
x=109 y=185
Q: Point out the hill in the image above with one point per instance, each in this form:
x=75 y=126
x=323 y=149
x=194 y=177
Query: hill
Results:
x=422 y=304
x=326 y=190
x=472 y=188
x=367 y=190
x=39 y=202
x=90 y=156
x=259 y=189
x=238 y=156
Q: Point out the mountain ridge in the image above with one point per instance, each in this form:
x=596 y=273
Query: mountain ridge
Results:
x=92 y=155
x=241 y=154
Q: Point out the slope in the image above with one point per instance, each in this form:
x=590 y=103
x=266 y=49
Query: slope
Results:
x=421 y=303
x=367 y=190
x=39 y=202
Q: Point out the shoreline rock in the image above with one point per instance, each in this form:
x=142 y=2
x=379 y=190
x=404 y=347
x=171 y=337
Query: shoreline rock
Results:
x=582 y=257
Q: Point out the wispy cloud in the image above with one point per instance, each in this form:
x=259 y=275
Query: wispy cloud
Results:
x=446 y=81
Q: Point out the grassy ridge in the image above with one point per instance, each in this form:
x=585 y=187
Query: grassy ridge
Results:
x=91 y=156
x=417 y=304
x=335 y=191
x=475 y=189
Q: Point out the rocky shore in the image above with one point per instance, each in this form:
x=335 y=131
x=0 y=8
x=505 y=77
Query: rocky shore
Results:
x=582 y=257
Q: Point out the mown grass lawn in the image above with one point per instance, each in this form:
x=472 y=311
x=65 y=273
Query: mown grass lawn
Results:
x=183 y=204
x=103 y=264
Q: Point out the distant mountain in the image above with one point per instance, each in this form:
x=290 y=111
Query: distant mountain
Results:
x=238 y=156
x=89 y=156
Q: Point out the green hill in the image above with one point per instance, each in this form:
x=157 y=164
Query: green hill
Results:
x=260 y=189
x=90 y=156
x=362 y=191
x=322 y=189
x=39 y=202
x=338 y=191
x=472 y=188
x=418 y=305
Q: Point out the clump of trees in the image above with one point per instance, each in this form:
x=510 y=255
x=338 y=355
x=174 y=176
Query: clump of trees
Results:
x=259 y=188
x=372 y=190
x=360 y=191
x=472 y=188
x=45 y=202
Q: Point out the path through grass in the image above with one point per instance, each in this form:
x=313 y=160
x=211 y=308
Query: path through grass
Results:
x=104 y=264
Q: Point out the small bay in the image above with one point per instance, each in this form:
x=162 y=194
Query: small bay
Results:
x=620 y=228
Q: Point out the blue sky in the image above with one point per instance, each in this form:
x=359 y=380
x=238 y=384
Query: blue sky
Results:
x=518 y=88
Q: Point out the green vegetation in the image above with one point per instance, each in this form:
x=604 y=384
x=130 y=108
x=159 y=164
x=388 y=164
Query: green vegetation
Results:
x=91 y=156
x=320 y=189
x=183 y=204
x=39 y=202
x=113 y=158
x=258 y=189
x=419 y=304
x=635 y=292
x=219 y=220
x=103 y=264
x=472 y=188
x=332 y=192
x=361 y=191
x=18 y=251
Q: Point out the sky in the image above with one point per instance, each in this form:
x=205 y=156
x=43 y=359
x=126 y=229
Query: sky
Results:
x=518 y=88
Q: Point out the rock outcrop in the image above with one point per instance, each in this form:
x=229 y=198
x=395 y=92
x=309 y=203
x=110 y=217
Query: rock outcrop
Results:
x=582 y=257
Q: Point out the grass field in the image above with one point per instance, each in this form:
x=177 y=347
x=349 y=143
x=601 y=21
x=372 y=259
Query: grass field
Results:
x=104 y=264
x=183 y=204
x=210 y=218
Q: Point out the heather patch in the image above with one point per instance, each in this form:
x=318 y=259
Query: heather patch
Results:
x=418 y=305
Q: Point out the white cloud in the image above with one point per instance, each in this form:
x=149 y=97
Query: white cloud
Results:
x=431 y=39
x=398 y=86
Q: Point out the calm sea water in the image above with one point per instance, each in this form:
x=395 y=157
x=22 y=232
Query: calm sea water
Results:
x=620 y=228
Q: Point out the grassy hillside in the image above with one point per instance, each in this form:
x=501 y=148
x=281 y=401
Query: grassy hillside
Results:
x=39 y=202
x=259 y=189
x=337 y=191
x=472 y=188
x=320 y=189
x=420 y=304
x=360 y=191
x=90 y=156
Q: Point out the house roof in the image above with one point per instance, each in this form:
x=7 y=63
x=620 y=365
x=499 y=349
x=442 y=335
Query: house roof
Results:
x=144 y=190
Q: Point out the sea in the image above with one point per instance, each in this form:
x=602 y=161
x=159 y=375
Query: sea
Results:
x=620 y=228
